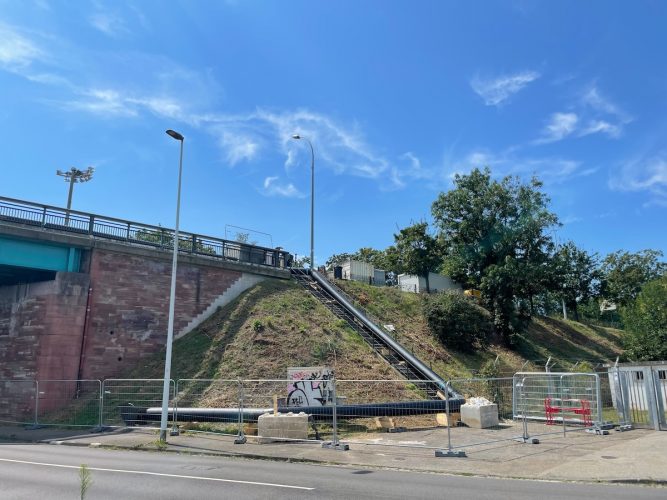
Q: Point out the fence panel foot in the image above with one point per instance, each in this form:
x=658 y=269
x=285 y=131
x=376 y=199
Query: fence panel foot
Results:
x=336 y=446
x=450 y=454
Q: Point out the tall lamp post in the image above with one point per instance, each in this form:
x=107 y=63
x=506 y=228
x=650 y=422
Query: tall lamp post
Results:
x=172 y=300
x=73 y=176
x=312 y=199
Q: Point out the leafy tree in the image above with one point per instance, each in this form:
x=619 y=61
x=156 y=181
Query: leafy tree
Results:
x=576 y=276
x=338 y=259
x=625 y=273
x=457 y=321
x=646 y=323
x=417 y=251
x=495 y=237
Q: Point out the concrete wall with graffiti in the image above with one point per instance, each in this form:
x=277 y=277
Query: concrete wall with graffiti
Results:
x=309 y=386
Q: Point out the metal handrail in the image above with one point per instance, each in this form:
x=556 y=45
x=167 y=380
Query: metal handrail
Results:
x=120 y=230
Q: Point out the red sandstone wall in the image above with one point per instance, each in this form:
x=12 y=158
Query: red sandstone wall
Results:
x=130 y=303
x=40 y=336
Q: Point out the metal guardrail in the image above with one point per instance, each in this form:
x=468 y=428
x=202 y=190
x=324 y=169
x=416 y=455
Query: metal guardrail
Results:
x=136 y=233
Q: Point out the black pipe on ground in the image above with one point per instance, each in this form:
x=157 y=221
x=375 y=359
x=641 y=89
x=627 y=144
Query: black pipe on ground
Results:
x=134 y=414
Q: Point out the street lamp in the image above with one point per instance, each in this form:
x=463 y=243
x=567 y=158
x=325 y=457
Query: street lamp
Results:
x=172 y=300
x=312 y=199
x=73 y=176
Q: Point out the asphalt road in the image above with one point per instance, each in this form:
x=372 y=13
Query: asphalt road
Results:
x=51 y=472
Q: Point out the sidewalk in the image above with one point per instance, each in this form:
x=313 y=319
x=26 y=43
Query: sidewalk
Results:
x=633 y=456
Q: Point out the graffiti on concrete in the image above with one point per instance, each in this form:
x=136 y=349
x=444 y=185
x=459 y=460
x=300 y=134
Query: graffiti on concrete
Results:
x=309 y=386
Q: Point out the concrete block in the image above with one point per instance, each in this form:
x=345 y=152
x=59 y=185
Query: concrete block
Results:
x=283 y=426
x=479 y=417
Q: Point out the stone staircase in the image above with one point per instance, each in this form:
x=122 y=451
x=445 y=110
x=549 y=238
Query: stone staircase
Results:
x=245 y=282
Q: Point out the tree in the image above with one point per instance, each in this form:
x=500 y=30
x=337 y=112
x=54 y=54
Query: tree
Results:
x=646 y=323
x=625 y=273
x=576 y=276
x=495 y=238
x=417 y=251
x=337 y=259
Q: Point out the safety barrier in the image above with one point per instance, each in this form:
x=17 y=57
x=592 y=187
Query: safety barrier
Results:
x=335 y=413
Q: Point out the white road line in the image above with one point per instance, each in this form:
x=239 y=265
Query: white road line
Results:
x=179 y=476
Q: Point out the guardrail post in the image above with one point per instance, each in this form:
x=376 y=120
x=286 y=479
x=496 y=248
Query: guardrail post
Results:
x=44 y=217
x=91 y=224
x=127 y=233
x=193 y=240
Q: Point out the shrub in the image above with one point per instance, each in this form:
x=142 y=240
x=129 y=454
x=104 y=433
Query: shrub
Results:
x=457 y=321
x=646 y=323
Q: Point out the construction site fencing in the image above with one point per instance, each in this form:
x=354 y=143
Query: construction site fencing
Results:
x=123 y=400
x=473 y=413
x=18 y=401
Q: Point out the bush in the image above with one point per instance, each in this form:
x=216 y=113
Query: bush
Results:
x=457 y=321
x=645 y=322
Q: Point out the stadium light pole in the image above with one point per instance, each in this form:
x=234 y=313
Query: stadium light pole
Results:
x=312 y=199
x=172 y=300
x=73 y=176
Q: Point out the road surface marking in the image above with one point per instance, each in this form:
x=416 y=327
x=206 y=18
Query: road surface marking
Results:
x=179 y=476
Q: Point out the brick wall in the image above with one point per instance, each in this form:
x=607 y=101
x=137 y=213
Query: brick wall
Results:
x=40 y=335
x=130 y=303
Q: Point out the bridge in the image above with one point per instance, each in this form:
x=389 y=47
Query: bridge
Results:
x=83 y=295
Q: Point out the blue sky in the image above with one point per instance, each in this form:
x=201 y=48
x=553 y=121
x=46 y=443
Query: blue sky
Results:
x=396 y=96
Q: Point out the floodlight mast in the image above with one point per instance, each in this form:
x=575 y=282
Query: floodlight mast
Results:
x=73 y=176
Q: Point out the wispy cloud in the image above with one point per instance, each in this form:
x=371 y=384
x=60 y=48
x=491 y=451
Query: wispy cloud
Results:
x=593 y=114
x=550 y=169
x=559 y=126
x=495 y=91
x=238 y=148
x=112 y=103
x=647 y=174
x=108 y=22
x=16 y=50
x=272 y=187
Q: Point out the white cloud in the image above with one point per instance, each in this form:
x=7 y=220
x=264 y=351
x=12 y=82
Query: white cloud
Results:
x=274 y=188
x=497 y=90
x=17 y=51
x=560 y=125
x=601 y=126
x=106 y=102
x=551 y=170
x=238 y=148
x=648 y=174
x=107 y=22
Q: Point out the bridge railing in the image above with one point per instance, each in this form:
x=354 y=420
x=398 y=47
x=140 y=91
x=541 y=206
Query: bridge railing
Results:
x=136 y=233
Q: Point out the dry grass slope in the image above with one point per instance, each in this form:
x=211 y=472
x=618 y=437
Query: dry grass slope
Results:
x=277 y=325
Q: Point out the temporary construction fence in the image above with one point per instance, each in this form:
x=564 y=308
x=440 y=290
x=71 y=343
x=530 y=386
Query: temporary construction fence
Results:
x=329 y=411
x=639 y=392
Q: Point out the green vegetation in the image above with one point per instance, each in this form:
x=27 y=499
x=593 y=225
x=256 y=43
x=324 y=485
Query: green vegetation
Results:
x=496 y=236
x=646 y=323
x=85 y=480
x=457 y=321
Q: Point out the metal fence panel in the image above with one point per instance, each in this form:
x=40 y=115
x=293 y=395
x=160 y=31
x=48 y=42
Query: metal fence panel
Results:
x=306 y=403
x=368 y=409
x=123 y=400
x=18 y=401
x=558 y=398
x=194 y=394
x=68 y=403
